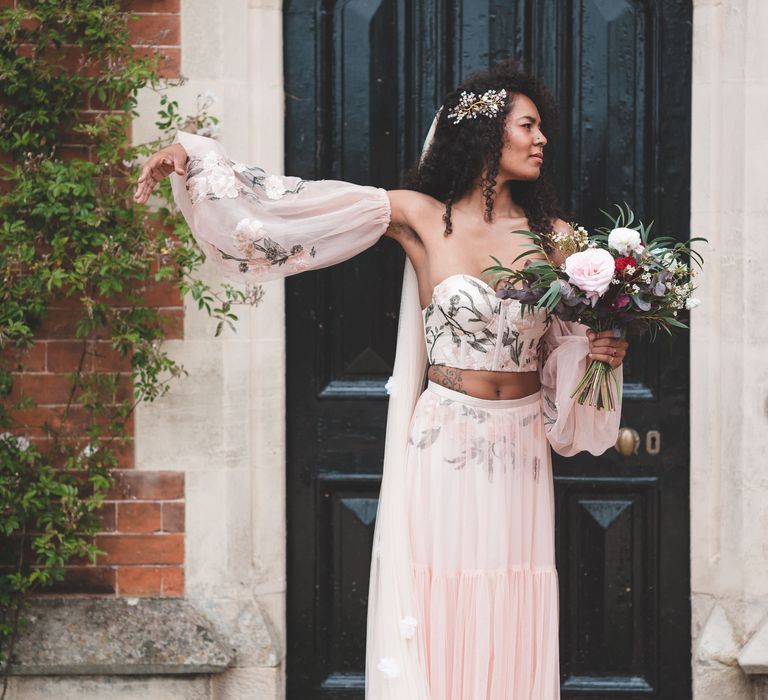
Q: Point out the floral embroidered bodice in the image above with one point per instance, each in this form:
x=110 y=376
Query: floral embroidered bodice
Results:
x=468 y=327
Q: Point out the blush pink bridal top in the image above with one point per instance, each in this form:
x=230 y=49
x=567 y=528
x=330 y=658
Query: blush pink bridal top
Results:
x=257 y=226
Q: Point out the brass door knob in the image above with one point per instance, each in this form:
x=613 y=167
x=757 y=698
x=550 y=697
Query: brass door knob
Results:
x=628 y=442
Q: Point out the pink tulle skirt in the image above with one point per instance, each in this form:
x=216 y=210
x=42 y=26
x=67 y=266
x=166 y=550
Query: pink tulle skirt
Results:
x=481 y=519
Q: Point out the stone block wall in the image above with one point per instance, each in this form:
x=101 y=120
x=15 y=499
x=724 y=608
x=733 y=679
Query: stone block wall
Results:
x=729 y=372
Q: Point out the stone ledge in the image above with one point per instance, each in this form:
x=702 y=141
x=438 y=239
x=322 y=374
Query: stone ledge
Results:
x=753 y=657
x=118 y=636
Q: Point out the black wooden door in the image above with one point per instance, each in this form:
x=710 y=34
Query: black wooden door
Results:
x=363 y=79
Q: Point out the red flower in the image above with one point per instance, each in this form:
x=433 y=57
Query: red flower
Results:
x=620 y=302
x=621 y=263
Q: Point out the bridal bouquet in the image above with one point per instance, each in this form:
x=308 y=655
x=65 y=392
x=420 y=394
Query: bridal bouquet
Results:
x=615 y=279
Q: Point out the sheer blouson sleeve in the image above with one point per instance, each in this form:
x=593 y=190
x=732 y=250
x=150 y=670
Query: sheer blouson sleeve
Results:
x=570 y=427
x=256 y=226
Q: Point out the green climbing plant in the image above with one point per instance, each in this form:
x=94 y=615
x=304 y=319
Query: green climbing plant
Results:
x=70 y=231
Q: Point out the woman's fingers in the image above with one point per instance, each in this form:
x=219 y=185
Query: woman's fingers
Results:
x=144 y=173
x=179 y=163
x=162 y=168
x=603 y=346
x=154 y=170
x=171 y=159
x=603 y=343
x=613 y=360
x=602 y=334
x=145 y=183
x=143 y=190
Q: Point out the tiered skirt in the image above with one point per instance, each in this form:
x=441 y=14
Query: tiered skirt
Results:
x=480 y=507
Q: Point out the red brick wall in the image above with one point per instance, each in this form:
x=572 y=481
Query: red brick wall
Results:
x=144 y=515
x=157 y=27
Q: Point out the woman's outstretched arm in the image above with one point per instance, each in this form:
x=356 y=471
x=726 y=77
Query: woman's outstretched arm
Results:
x=173 y=159
x=257 y=226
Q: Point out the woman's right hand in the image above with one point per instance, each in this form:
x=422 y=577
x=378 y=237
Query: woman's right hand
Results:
x=172 y=159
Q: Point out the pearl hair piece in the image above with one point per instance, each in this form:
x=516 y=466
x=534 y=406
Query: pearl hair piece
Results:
x=470 y=105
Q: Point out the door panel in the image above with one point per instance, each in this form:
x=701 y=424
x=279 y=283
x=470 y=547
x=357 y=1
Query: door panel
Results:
x=363 y=80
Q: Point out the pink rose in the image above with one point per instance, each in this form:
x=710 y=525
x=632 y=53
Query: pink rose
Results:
x=591 y=270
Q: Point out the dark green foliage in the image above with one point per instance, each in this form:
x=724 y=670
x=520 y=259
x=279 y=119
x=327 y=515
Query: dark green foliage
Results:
x=69 y=230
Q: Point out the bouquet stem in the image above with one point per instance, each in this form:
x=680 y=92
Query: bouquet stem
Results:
x=599 y=387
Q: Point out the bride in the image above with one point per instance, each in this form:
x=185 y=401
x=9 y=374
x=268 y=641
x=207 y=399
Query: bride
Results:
x=463 y=597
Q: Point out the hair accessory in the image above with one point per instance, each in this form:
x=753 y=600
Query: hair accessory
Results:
x=470 y=105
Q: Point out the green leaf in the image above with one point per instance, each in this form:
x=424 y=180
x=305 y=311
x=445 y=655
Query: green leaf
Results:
x=671 y=320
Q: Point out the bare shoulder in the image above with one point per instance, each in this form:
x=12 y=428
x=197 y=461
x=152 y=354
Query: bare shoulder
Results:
x=555 y=256
x=410 y=211
x=409 y=207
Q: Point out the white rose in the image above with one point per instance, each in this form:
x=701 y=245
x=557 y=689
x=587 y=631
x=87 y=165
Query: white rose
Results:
x=274 y=187
x=408 y=626
x=389 y=667
x=692 y=302
x=624 y=240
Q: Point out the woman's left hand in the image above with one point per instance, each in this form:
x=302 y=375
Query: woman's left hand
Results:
x=603 y=346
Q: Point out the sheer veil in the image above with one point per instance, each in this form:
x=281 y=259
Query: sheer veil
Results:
x=395 y=653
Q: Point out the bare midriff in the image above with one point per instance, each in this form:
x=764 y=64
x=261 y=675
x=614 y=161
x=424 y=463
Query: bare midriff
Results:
x=484 y=384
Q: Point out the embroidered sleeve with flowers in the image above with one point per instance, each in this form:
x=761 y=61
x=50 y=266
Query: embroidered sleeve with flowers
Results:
x=258 y=226
x=215 y=177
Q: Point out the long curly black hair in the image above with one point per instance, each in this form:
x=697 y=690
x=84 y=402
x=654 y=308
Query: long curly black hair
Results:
x=461 y=153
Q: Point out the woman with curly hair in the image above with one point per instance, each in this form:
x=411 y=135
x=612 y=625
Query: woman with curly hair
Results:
x=463 y=597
